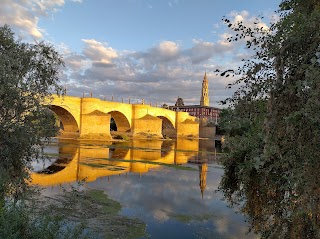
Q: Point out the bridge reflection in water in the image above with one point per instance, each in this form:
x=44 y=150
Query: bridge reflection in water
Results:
x=86 y=161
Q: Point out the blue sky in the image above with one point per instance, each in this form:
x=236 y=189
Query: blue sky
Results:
x=154 y=50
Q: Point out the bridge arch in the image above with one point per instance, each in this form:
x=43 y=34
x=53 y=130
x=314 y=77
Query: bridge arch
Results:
x=66 y=154
x=69 y=123
x=166 y=148
x=77 y=163
x=122 y=123
x=90 y=117
x=168 y=128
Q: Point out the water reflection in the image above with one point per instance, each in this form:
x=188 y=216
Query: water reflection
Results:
x=73 y=161
x=172 y=201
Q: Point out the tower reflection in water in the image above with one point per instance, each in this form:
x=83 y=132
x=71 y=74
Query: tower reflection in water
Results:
x=76 y=161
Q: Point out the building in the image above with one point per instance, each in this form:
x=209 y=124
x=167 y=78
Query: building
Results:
x=203 y=111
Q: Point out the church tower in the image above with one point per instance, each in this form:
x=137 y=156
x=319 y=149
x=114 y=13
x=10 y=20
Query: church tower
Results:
x=204 y=101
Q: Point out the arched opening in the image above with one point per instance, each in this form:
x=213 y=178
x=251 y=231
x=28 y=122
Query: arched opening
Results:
x=66 y=122
x=117 y=152
x=53 y=164
x=168 y=129
x=56 y=166
x=119 y=123
x=61 y=127
x=113 y=125
x=166 y=147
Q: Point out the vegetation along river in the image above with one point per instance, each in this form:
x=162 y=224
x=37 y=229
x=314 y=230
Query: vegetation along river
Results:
x=148 y=188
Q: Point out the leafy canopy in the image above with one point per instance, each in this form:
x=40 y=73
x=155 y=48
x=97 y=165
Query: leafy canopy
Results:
x=272 y=126
x=28 y=75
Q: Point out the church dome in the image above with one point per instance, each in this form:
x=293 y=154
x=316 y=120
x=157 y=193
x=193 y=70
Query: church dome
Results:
x=179 y=102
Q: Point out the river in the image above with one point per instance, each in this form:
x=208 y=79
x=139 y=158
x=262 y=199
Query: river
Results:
x=170 y=185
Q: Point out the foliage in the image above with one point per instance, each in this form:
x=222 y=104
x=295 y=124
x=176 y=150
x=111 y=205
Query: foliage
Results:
x=272 y=126
x=165 y=106
x=16 y=222
x=28 y=73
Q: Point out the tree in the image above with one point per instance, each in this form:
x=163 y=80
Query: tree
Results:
x=272 y=125
x=165 y=106
x=28 y=75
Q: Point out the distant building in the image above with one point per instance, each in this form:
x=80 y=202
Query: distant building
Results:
x=202 y=111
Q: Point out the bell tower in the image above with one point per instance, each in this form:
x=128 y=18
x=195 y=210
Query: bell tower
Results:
x=204 y=101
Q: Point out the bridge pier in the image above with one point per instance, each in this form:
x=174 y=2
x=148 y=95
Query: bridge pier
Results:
x=185 y=126
x=93 y=125
x=144 y=124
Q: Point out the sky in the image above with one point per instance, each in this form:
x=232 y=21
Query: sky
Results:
x=155 y=50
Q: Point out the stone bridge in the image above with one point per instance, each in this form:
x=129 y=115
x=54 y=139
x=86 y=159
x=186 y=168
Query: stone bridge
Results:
x=89 y=118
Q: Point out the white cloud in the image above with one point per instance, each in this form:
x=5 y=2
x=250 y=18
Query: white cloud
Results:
x=23 y=15
x=202 y=51
x=76 y=62
x=98 y=51
x=158 y=74
x=168 y=48
x=163 y=53
x=223 y=39
x=45 y=7
x=172 y=3
x=248 y=21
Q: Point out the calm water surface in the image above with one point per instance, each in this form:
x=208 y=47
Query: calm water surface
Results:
x=169 y=185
